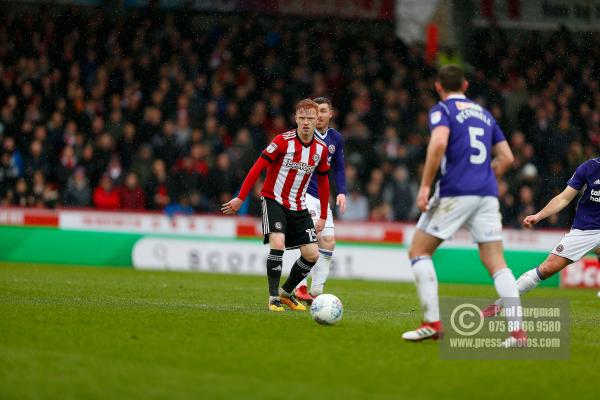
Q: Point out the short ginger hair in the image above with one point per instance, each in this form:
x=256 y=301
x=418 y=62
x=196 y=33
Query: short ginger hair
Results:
x=307 y=104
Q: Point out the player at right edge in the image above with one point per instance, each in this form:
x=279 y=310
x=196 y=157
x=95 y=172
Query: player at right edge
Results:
x=464 y=137
x=583 y=237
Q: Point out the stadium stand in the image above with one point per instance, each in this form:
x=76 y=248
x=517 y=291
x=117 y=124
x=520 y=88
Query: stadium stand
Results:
x=168 y=111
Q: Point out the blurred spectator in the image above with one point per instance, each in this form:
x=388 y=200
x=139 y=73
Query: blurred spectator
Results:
x=357 y=207
x=38 y=188
x=141 y=164
x=66 y=166
x=106 y=197
x=78 y=192
x=401 y=194
x=157 y=187
x=8 y=174
x=223 y=182
x=526 y=203
x=186 y=179
x=132 y=197
x=91 y=164
x=253 y=206
x=21 y=196
x=182 y=207
x=14 y=155
x=37 y=160
x=381 y=212
x=127 y=145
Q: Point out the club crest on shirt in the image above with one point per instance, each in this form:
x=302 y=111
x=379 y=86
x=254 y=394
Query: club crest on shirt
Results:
x=331 y=149
x=316 y=157
x=271 y=148
x=435 y=117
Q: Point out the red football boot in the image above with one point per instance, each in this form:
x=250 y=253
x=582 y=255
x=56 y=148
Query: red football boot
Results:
x=302 y=294
x=427 y=330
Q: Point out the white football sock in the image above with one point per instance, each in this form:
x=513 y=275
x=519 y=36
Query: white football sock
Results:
x=528 y=281
x=507 y=289
x=320 y=272
x=427 y=287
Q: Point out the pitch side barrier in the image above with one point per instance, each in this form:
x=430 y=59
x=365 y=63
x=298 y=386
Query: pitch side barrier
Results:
x=154 y=241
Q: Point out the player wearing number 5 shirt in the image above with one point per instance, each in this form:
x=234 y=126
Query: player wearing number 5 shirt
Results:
x=469 y=148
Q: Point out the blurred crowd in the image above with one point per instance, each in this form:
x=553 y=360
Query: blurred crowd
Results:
x=168 y=111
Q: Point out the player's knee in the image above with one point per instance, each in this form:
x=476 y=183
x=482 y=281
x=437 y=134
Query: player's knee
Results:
x=277 y=242
x=411 y=252
x=277 y=245
x=327 y=242
x=311 y=253
x=312 y=257
x=416 y=251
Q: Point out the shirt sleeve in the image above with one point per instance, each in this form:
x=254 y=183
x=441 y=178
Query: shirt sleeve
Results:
x=438 y=117
x=497 y=134
x=323 y=166
x=339 y=166
x=274 y=150
x=578 y=180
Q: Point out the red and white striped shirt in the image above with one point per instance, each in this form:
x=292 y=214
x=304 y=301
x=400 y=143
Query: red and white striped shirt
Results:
x=292 y=164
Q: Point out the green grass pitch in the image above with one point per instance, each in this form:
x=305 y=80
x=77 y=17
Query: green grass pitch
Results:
x=105 y=333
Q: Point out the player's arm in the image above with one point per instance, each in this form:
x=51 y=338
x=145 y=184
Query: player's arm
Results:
x=435 y=153
x=574 y=185
x=269 y=155
x=554 y=206
x=503 y=158
x=339 y=173
x=323 y=185
x=503 y=155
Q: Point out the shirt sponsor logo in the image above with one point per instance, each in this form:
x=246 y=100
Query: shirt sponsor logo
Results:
x=595 y=195
x=271 y=148
x=435 y=117
x=463 y=105
x=299 y=166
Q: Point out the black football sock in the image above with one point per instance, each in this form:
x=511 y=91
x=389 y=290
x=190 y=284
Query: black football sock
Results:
x=300 y=269
x=274 y=267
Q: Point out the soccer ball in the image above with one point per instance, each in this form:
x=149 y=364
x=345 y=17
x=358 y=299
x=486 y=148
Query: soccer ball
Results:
x=327 y=309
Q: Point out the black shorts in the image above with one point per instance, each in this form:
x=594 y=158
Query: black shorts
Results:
x=297 y=226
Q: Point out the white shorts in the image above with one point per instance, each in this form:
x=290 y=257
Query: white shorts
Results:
x=314 y=208
x=577 y=243
x=479 y=214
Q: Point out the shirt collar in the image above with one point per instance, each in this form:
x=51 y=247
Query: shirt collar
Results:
x=456 y=96
x=302 y=143
x=321 y=136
